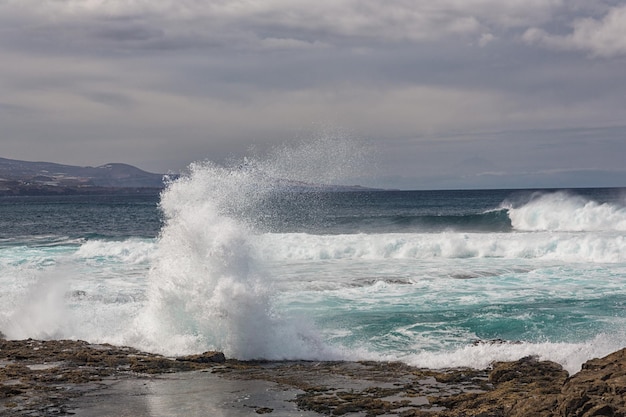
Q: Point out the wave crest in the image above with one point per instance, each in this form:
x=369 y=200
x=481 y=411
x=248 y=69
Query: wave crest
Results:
x=548 y=246
x=562 y=211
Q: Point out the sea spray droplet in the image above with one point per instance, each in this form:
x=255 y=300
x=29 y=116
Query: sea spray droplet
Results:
x=208 y=289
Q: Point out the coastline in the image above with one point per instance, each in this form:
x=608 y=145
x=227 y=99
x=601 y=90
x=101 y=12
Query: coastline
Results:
x=63 y=377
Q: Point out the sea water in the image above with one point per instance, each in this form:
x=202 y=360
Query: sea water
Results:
x=239 y=260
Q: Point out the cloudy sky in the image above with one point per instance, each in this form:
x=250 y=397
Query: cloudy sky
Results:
x=448 y=93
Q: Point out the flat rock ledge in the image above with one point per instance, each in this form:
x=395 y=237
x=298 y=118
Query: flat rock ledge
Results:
x=40 y=378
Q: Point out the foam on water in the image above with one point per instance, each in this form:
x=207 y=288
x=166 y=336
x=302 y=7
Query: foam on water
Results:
x=35 y=309
x=590 y=247
x=72 y=291
x=128 y=251
x=429 y=313
x=570 y=355
x=562 y=211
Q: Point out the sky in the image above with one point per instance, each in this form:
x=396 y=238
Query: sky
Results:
x=447 y=93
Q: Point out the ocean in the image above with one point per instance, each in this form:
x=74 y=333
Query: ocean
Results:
x=228 y=259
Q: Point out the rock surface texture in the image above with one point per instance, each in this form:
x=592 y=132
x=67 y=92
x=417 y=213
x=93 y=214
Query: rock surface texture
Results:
x=44 y=378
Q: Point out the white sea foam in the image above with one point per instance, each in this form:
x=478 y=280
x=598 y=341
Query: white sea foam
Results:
x=562 y=211
x=33 y=304
x=570 y=355
x=589 y=247
x=55 y=294
x=128 y=251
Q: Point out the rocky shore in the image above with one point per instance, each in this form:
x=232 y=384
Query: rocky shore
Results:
x=49 y=378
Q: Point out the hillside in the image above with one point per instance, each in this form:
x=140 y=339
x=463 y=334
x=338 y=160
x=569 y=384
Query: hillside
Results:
x=38 y=178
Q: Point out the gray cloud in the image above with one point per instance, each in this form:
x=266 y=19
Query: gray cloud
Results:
x=604 y=37
x=274 y=24
x=524 y=86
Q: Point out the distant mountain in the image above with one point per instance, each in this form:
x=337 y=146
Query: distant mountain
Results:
x=47 y=178
x=27 y=178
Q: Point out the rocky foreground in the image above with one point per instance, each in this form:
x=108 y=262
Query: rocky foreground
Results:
x=45 y=378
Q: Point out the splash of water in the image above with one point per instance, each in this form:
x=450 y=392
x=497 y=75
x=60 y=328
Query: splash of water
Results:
x=208 y=288
x=562 y=211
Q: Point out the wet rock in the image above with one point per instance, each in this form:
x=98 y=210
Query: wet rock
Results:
x=206 y=357
x=479 y=342
x=544 y=376
x=31 y=372
x=527 y=387
x=599 y=389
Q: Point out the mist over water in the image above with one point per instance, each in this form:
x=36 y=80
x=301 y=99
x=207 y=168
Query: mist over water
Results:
x=258 y=259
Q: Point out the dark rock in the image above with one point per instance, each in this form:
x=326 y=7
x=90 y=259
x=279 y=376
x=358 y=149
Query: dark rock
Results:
x=527 y=387
x=495 y=342
x=206 y=357
x=599 y=389
x=32 y=370
x=544 y=375
x=9 y=391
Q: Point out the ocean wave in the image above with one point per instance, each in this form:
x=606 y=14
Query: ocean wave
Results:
x=488 y=221
x=480 y=356
x=573 y=247
x=128 y=251
x=563 y=211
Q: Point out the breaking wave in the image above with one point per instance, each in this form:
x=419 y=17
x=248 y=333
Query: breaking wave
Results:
x=563 y=211
x=549 y=246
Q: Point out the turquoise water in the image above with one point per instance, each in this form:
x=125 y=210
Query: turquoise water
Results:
x=223 y=260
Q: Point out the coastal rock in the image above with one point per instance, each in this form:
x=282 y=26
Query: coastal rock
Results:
x=527 y=387
x=32 y=370
x=206 y=357
x=599 y=389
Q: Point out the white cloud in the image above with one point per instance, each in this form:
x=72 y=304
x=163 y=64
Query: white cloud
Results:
x=605 y=38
